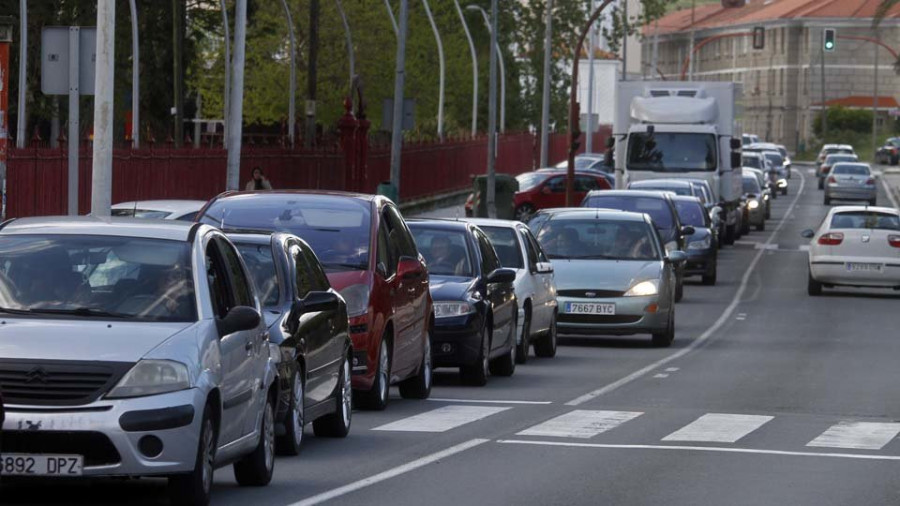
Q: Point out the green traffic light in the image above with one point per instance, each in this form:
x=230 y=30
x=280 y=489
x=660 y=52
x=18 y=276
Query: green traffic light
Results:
x=829 y=45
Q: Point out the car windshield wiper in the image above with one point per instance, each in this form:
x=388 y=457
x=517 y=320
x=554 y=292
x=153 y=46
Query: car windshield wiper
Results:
x=10 y=310
x=79 y=311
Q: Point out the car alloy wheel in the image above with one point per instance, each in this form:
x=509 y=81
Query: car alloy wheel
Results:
x=209 y=454
x=524 y=212
x=337 y=424
x=290 y=442
x=419 y=386
x=346 y=395
x=523 y=341
x=269 y=436
x=383 y=378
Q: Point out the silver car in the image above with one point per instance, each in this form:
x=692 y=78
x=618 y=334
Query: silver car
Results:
x=851 y=181
x=184 y=210
x=132 y=348
x=613 y=275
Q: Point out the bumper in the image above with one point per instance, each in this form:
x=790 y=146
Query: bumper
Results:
x=107 y=433
x=833 y=271
x=843 y=193
x=365 y=352
x=456 y=341
x=758 y=215
x=634 y=315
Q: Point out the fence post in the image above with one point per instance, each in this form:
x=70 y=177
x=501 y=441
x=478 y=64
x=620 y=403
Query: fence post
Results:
x=347 y=125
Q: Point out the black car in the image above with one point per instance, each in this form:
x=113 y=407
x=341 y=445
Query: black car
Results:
x=661 y=208
x=475 y=305
x=702 y=245
x=308 y=322
x=889 y=154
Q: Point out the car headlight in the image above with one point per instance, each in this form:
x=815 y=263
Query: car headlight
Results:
x=451 y=309
x=782 y=183
x=643 y=289
x=753 y=204
x=766 y=197
x=152 y=377
x=700 y=244
x=357 y=299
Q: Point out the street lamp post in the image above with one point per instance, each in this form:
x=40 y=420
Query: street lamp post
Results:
x=293 y=79
x=489 y=22
x=399 y=81
x=545 y=97
x=350 y=57
x=440 y=48
x=462 y=19
x=492 y=116
x=387 y=4
x=135 y=78
x=225 y=109
x=21 y=119
x=592 y=43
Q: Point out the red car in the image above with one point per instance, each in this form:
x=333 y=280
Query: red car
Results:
x=545 y=189
x=371 y=258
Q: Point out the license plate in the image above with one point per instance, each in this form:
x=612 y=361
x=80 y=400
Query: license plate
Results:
x=857 y=267
x=19 y=464
x=590 y=308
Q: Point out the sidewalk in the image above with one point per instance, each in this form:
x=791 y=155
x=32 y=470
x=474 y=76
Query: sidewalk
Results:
x=890 y=177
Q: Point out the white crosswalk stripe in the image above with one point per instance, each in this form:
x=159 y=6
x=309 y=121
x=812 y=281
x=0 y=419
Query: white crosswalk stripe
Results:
x=857 y=435
x=718 y=428
x=581 y=424
x=442 y=419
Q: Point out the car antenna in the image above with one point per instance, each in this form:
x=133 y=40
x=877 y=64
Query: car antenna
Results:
x=134 y=210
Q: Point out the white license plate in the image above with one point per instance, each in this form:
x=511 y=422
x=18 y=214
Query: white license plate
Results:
x=590 y=308
x=858 y=267
x=19 y=464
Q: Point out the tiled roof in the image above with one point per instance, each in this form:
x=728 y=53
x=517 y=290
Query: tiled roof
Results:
x=862 y=102
x=757 y=11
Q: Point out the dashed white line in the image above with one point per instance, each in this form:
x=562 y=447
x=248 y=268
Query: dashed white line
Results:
x=741 y=316
x=718 y=428
x=661 y=375
x=581 y=424
x=487 y=401
x=671 y=369
x=857 y=435
x=441 y=419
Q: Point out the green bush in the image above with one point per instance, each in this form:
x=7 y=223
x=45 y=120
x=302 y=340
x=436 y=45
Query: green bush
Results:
x=842 y=119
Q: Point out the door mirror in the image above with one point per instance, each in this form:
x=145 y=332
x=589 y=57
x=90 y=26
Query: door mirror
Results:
x=676 y=257
x=687 y=230
x=544 y=267
x=316 y=302
x=808 y=233
x=546 y=190
x=735 y=159
x=239 y=319
x=409 y=268
x=610 y=142
x=501 y=276
x=735 y=143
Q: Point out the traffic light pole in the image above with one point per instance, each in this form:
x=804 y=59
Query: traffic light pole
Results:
x=824 y=107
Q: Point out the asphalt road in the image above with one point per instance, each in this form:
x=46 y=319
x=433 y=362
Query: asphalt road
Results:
x=767 y=397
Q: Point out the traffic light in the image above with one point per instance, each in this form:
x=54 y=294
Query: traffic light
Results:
x=829 y=39
x=759 y=37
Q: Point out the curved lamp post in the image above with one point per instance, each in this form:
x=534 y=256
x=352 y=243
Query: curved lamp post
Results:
x=23 y=75
x=135 y=79
x=487 y=23
x=462 y=18
x=293 y=83
x=387 y=4
x=545 y=94
x=349 y=36
x=225 y=110
x=440 y=48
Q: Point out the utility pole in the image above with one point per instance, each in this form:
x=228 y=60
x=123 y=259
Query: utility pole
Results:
x=592 y=44
x=135 y=78
x=178 y=71
x=545 y=98
x=101 y=178
x=440 y=48
x=822 y=77
x=492 y=118
x=462 y=19
x=691 y=58
x=292 y=86
x=22 y=119
x=225 y=107
x=624 y=44
x=350 y=55
x=875 y=98
x=399 y=78
x=233 y=171
x=311 y=75
x=654 y=62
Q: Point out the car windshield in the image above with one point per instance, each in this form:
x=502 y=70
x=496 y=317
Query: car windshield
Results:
x=751 y=184
x=775 y=158
x=97 y=276
x=336 y=228
x=847 y=169
x=261 y=265
x=671 y=152
x=445 y=251
x=683 y=190
x=582 y=239
x=833 y=159
x=585 y=162
x=529 y=180
x=865 y=219
x=691 y=213
x=506 y=244
x=783 y=151
x=751 y=161
x=145 y=214
x=655 y=207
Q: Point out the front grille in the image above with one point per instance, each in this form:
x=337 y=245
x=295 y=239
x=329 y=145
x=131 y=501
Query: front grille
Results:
x=594 y=294
x=97 y=449
x=601 y=319
x=57 y=382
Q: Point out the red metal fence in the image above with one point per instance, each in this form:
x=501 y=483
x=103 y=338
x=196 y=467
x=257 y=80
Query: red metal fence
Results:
x=37 y=177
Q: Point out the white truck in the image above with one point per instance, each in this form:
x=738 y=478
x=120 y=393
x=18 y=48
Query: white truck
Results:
x=688 y=130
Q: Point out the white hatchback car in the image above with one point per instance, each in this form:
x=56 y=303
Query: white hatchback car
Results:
x=535 y=287
x=855 y=246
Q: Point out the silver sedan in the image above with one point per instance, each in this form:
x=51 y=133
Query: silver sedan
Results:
x=851 y=181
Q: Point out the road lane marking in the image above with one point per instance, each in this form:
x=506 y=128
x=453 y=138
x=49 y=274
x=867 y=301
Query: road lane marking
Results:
x=441 y=419
x=661 y=375
x=671 y=369
x=766 y=246
x=718 y=428
x=486 y=401
x=857 y=435
x=741 y=316
x=724 y=317
x=714 y=449
x=890 y=194
x=390 y=473
x=581 y=424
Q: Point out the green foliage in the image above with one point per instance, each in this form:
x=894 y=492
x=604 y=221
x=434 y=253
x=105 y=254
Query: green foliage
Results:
x=842 y=119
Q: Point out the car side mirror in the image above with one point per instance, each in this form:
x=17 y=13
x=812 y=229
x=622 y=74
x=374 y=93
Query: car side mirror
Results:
x=501 y=275
x=687 y=230
x=735 y=159
x=239 y=319
x=409 y=268
x=546 y=190
x=316 y=302
x=610 y=142
x=544 y=268
x=808 y=233
x=676 y=257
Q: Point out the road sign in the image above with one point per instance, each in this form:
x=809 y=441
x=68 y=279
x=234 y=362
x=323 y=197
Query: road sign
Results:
x=55 y=60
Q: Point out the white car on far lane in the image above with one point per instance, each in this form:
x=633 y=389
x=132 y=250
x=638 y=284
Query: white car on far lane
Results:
x=518 y=249
x=184 y=210
x=855 y=246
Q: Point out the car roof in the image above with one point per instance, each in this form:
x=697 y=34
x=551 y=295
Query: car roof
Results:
x=887 y=210
x=169 y=206
x=439 y=223
x=630 y=193
x=697 y=181
x=284 y=193
x=856 y=163
x=490 y=222
x=751 y=169
x=599 y=213
x=686 y=198
x=244 y=238
x=663 y=182
x=92 y=225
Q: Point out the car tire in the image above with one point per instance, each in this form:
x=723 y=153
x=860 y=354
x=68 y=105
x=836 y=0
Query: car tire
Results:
x=255 y=469
x=376 y=399
x=784 y=191
x=294 y=421
x=745 y=225
x=506 y=365
x=665 y=338
x=476 y=374
x=524 y=344
x=895 y=160
x=768 y=210
x=194 y=488
x=821 y=183
x=761 y=226
x=813 y=287
x=524 y=212
x=337 y=424
x=827 y=200
x=419 y=386
x=873 y=202
x=709 y=279
x=545 y=347
x=679 y=287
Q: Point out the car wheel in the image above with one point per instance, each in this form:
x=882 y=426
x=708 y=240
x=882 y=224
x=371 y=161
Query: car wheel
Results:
x=895 y=160
x=784 y=191
x=294 y=421
x=709 y=279
x=761 y=226
x=873 y=202
x=679 y=287
x=813 y=287
x=524 y=212
x=523 y=345
x=827 y=200
x=255 y=469
x=768 y=210
x=376 y=399
x=506 y=365
x=665 y=338
x=745 y=225
x=477 y=373
x=194 y=488
x=546 y=346
x=821 y=183
x=337 y=424
x=419 y=386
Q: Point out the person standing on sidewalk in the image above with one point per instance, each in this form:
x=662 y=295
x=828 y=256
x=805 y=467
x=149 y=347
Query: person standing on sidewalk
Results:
x=259 y=181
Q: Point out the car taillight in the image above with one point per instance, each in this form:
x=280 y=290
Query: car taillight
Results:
x=894 y=240
x=831 y=179
x=831 y=239
x=871 y=180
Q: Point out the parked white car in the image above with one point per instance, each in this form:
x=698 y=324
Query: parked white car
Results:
x=184 y=210
x=535 y=287
x=855 y=246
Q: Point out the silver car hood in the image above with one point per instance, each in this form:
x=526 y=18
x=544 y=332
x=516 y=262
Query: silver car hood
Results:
x=51 y=339
x=617 y=275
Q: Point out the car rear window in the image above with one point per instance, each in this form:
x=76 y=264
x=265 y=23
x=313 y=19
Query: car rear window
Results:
x=655 y=207
x=529 y=180
x=833 y=159
x=676 y=189
x=506 y=244
x=850 y=170
x=865 y=219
